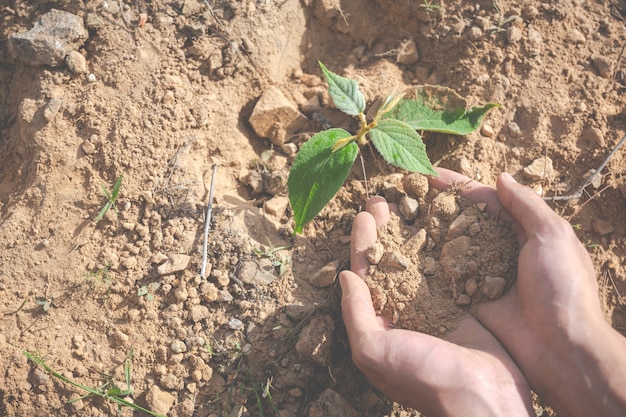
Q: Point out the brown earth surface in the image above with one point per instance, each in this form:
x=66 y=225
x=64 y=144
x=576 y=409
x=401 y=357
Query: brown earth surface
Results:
x=168 y=91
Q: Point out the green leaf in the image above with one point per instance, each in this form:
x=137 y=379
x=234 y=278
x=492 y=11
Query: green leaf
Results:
x=344 y=92
x=438 y=109
x=317 y=173
x=401 y=146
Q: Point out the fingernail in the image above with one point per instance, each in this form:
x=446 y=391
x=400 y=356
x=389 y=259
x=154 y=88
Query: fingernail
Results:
x=507 y=177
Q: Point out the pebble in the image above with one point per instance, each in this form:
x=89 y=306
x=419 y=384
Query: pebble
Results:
x=224 y=296
x=198 y=313
x=474 y=33
x=407 y=54
x=575 y=36
x=603 y=64
x=159 y=401
x=514 y=130
x=602 y=227
x=409 y=208
x=487 y=131
x=176 y=262
x=76 y=62
x=51 y=39
x=235 y=324
x=273 y=115
x=460 y=225
x=593 y=136
x=251 y=273
x=513 y=34
x=374 y=253
x=493 y=287
x=444 y=205
x=474 y=229
x=471 y=286
x=430 y=266
x=276 y=206
x=330 y=400
x=325 y=276
x=396 y=260
x=538 y=169
x=289 y=148
x=89 y=148
x=52 y=108
x=178 y=346
x=463 y=300
x=416 y=185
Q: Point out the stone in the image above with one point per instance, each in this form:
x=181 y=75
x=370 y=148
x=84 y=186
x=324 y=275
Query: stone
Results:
x=274 y=115
x=513 y=34
x=178 y=346
x=487 y=131
x=289 y=149
x=415 y=185
x=474 y=33
x=603 y=64
x=76 y=62
x=224 y=296
x=575 y=36
x=330 y=404
x=395 y=260
x=514 y=130
x=89 y=148
x=593 y=137
x=539 y=169
x=191 y=7
x=325 y=276
x=276 y=206
x=601 y=227
x=252 y=273
x=198 y=313
x=409 y=208
x=463 y=300
x=235 y=324
x=316 y=339
x=444 y=205
x=407 y=53
x=430 y=266
x=52 y=108
x=471 y=286
x=176 y=262
x=493 y=287
x=460 y=225
x=374 y=253
x=453 y=257
x=51 y=39
x=534 y=44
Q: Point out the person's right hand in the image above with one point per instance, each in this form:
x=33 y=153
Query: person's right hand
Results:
x=551 y=322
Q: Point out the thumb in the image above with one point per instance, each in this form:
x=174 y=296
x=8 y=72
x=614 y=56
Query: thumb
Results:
x=358 y=311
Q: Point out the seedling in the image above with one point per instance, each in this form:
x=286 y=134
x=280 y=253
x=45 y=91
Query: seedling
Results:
x=148 y=290
x=45 y=302
x=323 y=163
x=501 y=22
x=430 y=6
x=111 y=197
x=280 y=261
x=108 y=390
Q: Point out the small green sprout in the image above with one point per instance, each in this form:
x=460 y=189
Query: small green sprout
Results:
x=148 y=290
x=111 y=198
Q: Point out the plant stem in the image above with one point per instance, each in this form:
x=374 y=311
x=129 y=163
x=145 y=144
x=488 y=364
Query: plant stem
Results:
x=207 y=222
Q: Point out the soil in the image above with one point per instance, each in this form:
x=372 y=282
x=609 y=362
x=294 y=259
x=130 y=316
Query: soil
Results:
x=167 y=91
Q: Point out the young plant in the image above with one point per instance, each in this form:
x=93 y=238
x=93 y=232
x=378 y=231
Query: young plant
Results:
x=107 y=391
x=323 y=163
x=149 y=290
x=111 y=197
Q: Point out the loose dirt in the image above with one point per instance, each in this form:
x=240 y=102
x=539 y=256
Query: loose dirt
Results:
x=161 y=90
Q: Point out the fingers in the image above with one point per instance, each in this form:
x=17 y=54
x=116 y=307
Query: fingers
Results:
x=470 y=189
x=364 y=233
x=357 y=308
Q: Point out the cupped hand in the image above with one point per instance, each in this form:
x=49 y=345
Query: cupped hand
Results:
x=550 y=321
x=468 y=374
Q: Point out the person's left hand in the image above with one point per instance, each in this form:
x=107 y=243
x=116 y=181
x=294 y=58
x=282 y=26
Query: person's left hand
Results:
x=468 y=374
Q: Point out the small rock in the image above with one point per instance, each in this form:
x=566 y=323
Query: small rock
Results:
x=538 y=169
x=474 y=229
x=251 y=273
x=471 y=286
x=463 y=300
x=178 y=346
x=235 y=324
x=76 y=62
x=273 y=115
x=330 y=404
x=603 y=64
x=409 y=208
x=602 y=227
x=40 y=377
x=51 y=39
x=198 y=313
x=513 y=34
x=430 y=266
x=535 y=42
x=316 y=339
x=176 y=262
x=444 y=205
x=474 y=33
x=295 y=392
x=375 y=253
x=487 y=131
x=52 y=108
x=453 y=257
x=593 y=137
x=493 y=287
x=289 y=148
x=191 y=7
x=89 y=148
x=276 y=206
x=181 y=294
x=575 y=36
x=514 y=130
x=407 y=53
x=325 y=276
x=530 y=12
x=396 y=260
x=416 y=185
x=460 y=225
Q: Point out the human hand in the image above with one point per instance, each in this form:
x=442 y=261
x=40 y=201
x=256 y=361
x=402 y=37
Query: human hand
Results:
x=551 y=321
x=468 y=374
